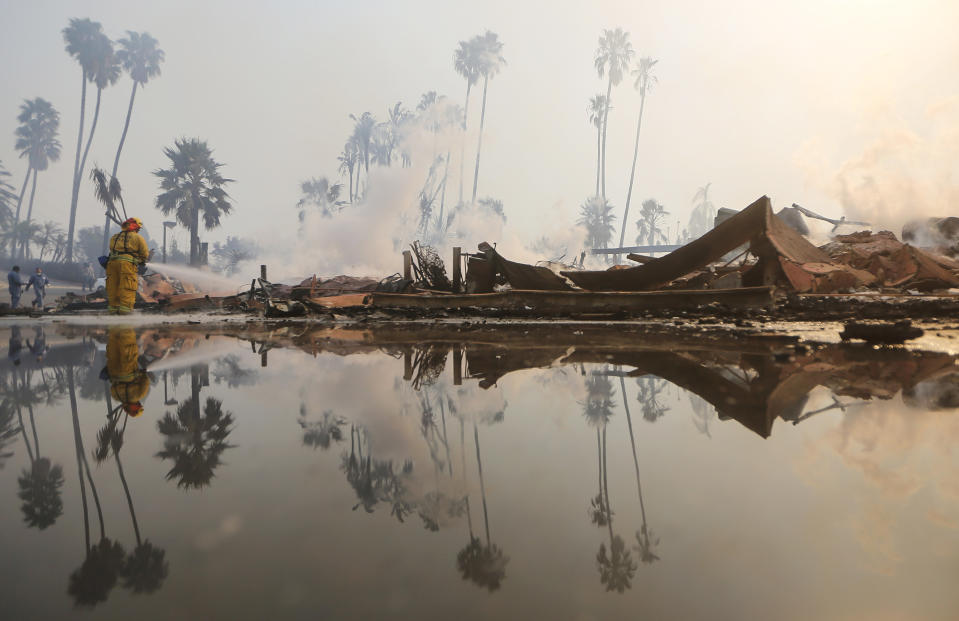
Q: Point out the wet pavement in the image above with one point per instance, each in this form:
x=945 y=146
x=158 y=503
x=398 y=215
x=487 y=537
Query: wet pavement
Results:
x=298 y=471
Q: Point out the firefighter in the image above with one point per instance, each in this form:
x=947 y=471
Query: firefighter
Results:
x=128 y=251
x=129 y=383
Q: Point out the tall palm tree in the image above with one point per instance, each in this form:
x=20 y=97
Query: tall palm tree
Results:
x=191 y=187
x=91 y=48
x=612 y=59
x=596 y=216
x=597 y=112
x=348 y=160
x=364 y=127
x=466 y=63
x=140 y=58
x=704 y=212
x=651 y=215
x=490 y=61
x=37 y=142
x=319 y=192
x=644 y=78
x=7 y=198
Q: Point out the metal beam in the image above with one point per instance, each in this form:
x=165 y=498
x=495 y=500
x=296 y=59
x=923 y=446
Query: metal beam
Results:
x=636 y=249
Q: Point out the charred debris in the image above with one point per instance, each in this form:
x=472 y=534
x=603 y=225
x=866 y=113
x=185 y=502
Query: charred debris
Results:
x=752 y=263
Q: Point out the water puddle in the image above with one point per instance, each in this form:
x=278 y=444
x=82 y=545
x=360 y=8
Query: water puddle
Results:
x=254 y=472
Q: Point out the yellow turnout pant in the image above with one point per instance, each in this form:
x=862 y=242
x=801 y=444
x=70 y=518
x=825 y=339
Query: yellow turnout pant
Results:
x=121 y=286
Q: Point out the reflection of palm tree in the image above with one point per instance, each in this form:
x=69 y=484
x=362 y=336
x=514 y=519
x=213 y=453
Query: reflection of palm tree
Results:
x=597 y=409
x=8 y=432
x=39 y=486
x=646 y=554
x=616 y=568
x=194 y=442
x=650 y=389
x=320 y=434
x=91 y=583
x=145 y=569
x=484 y=565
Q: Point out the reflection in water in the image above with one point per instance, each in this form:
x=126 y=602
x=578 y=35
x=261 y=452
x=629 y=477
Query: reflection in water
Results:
x=192 y=440
x=430 y=477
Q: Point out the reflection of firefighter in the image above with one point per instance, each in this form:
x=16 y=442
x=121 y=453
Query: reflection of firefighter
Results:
x=129 y=384
x=128 y=251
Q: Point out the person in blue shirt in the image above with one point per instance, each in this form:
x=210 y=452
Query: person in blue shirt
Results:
x=15 y=282
x=39 y=283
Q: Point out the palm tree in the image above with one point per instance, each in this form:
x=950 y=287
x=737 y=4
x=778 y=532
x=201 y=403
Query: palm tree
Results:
x=490 y=61
x=704 y=212
x=644 y=78
x=466 y=63
x=597 y=410
x=348 y=160
x=651 y=215
x=37 y=141
x=7 y=198
x=86 y=42
x=596 y=216
x=363 y=129
x=612 y=59
x=140 y=58
x=597 y=112
x=48 y=236
x=320 y=193
x=195 y=442
x=191 y=186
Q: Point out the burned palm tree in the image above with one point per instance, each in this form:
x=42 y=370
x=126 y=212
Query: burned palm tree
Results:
x=195 y=442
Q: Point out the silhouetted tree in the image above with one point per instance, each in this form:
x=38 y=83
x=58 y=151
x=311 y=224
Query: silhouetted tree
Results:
x=704 y=213
x=596 y=216
x=37 y=141
x=612 y=59
x=644 y=78
x=191 y=187
x=195 y=442
x=651 y=216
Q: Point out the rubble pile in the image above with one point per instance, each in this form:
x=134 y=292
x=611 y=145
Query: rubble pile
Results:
x=894 y=265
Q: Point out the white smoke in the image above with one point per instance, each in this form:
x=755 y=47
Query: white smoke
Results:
x=906 y=171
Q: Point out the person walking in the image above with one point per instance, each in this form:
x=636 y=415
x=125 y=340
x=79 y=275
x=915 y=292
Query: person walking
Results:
x=39 y=282
x=128 y=251
x=89 y=278
x=15 y=281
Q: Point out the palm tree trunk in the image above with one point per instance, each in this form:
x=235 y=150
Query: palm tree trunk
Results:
x=609 y=508
x=126 y=490
x=632 y=441
x=599 y=151
x=351 y=185
x=76 y=170
x=116 y=164
x=466 y=112
x=16 y=221
x=194 y=231
x=479 y=144
x=479 y=464
x=632 y=174
x=78 y=444
x=446 y=172
x=25 y=242
x=609 y=92
x=23 y=430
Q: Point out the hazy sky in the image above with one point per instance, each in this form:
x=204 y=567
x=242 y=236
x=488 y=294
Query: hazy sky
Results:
x=757 y=97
